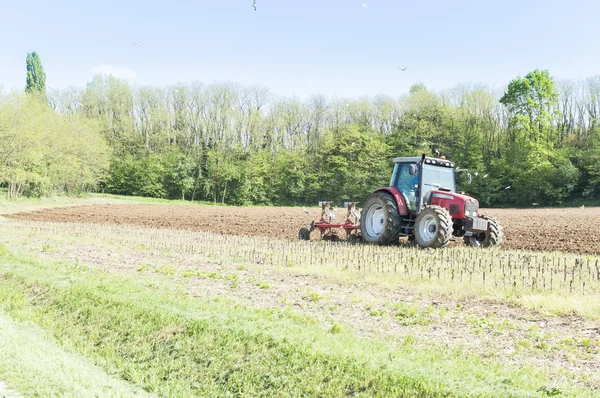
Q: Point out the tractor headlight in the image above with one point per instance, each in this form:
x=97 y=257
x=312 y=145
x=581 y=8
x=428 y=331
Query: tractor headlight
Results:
x=471 y=208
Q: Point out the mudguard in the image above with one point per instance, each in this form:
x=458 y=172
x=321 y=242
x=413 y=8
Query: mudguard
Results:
x=398 y=197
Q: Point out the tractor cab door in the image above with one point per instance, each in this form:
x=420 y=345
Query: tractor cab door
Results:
x=408 y=184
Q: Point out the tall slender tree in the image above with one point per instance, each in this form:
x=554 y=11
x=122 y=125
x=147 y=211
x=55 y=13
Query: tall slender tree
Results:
x=36 y=78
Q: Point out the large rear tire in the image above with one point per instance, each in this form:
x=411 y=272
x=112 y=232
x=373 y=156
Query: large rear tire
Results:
x=380 y=220
x=493 y=237
x=433 y=227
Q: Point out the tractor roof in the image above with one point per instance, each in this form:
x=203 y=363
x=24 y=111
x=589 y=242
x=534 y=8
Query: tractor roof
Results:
x=417 y=159
x=407 y=160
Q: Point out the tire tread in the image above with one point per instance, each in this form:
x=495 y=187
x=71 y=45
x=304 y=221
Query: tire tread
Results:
x=445 y=228
x=391 y=233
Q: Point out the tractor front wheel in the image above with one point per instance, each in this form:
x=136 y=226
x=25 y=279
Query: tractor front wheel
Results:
x=493 y=237
x=380 y=220
x=433 y=227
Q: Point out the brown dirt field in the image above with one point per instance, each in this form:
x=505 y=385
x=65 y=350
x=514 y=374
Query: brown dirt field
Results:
x=572 y=230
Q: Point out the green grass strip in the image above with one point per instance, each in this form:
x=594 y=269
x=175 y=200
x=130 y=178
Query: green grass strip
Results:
x=146 y=334
x=35 y=364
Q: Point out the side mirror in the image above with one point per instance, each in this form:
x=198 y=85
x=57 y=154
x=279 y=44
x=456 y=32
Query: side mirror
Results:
x=469 y=178
x=412 y=169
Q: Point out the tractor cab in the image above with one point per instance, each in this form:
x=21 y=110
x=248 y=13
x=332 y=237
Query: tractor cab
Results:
x=416 y=178
x=421 y=202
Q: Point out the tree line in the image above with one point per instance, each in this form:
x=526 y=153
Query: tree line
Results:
x=536 y=141
x=43 y=151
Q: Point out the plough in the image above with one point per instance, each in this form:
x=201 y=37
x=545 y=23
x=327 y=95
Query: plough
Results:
x=348 y=230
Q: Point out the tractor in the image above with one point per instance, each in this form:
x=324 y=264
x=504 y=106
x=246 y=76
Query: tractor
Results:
x=421 y=203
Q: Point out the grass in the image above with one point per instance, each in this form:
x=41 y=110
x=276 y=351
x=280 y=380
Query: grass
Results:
x=145 y=334
x=28 y=204
x=25 y=203
x=147 y=200
x=311 y=295
x=35 y=364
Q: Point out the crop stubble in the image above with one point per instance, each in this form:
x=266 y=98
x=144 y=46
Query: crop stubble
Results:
x=572 y=230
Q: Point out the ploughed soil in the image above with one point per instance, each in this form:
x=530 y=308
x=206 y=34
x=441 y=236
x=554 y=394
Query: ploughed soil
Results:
x=572 y=229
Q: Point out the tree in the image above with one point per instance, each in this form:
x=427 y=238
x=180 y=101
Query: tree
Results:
x=36 y=78
x=42 y=152
x=532 y=100
x=109 y=100
x=353 y=162
x=532 y=163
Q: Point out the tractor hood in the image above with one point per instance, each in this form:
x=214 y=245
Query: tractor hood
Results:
x=458 y=205
x=453 y=196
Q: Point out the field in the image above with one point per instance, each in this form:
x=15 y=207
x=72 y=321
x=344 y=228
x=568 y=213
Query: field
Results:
x=572 y=230
x=123 y=299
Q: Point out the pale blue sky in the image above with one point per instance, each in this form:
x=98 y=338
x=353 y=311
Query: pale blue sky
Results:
x=333 y=47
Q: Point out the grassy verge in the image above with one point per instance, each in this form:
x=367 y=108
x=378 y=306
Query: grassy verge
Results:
x=30 y=204
x=150 y=336
x=149 y=200
x=35 y=364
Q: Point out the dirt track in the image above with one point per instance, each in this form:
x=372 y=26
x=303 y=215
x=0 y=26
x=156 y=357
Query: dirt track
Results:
x=573 y=230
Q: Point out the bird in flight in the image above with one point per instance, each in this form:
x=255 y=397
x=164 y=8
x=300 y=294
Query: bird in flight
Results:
x=135 y=43
x=476 y=173
x=485 y=176
x=304 y=208
x=535 y=204
x=254 y=5
x=364 y=6
x=403 y=69
x=508 y=187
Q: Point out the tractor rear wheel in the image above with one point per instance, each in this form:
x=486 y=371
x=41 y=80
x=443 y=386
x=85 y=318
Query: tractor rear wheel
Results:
x=493 y=237
x=380 y=220
x=433 y=227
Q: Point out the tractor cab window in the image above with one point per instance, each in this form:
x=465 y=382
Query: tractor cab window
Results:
x=436 y=177
x=408 y=185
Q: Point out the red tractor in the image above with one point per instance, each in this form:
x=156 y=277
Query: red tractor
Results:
x=422 y=204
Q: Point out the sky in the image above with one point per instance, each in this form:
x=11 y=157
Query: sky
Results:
x=297 y=48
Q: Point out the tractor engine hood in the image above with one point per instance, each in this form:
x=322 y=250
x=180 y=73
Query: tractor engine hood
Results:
x=458 y=205
x=453 y=196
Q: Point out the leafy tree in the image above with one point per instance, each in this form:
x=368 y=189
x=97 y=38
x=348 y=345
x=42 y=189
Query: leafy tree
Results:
x=290 y=181
x=41 y=151
x=354 y=161
x=532 y=100
x=109 y=101
x=536 y=170
x=260 y=176
x=138 y=175
x=589 y=163
x=179 y=178
x=36 y=78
